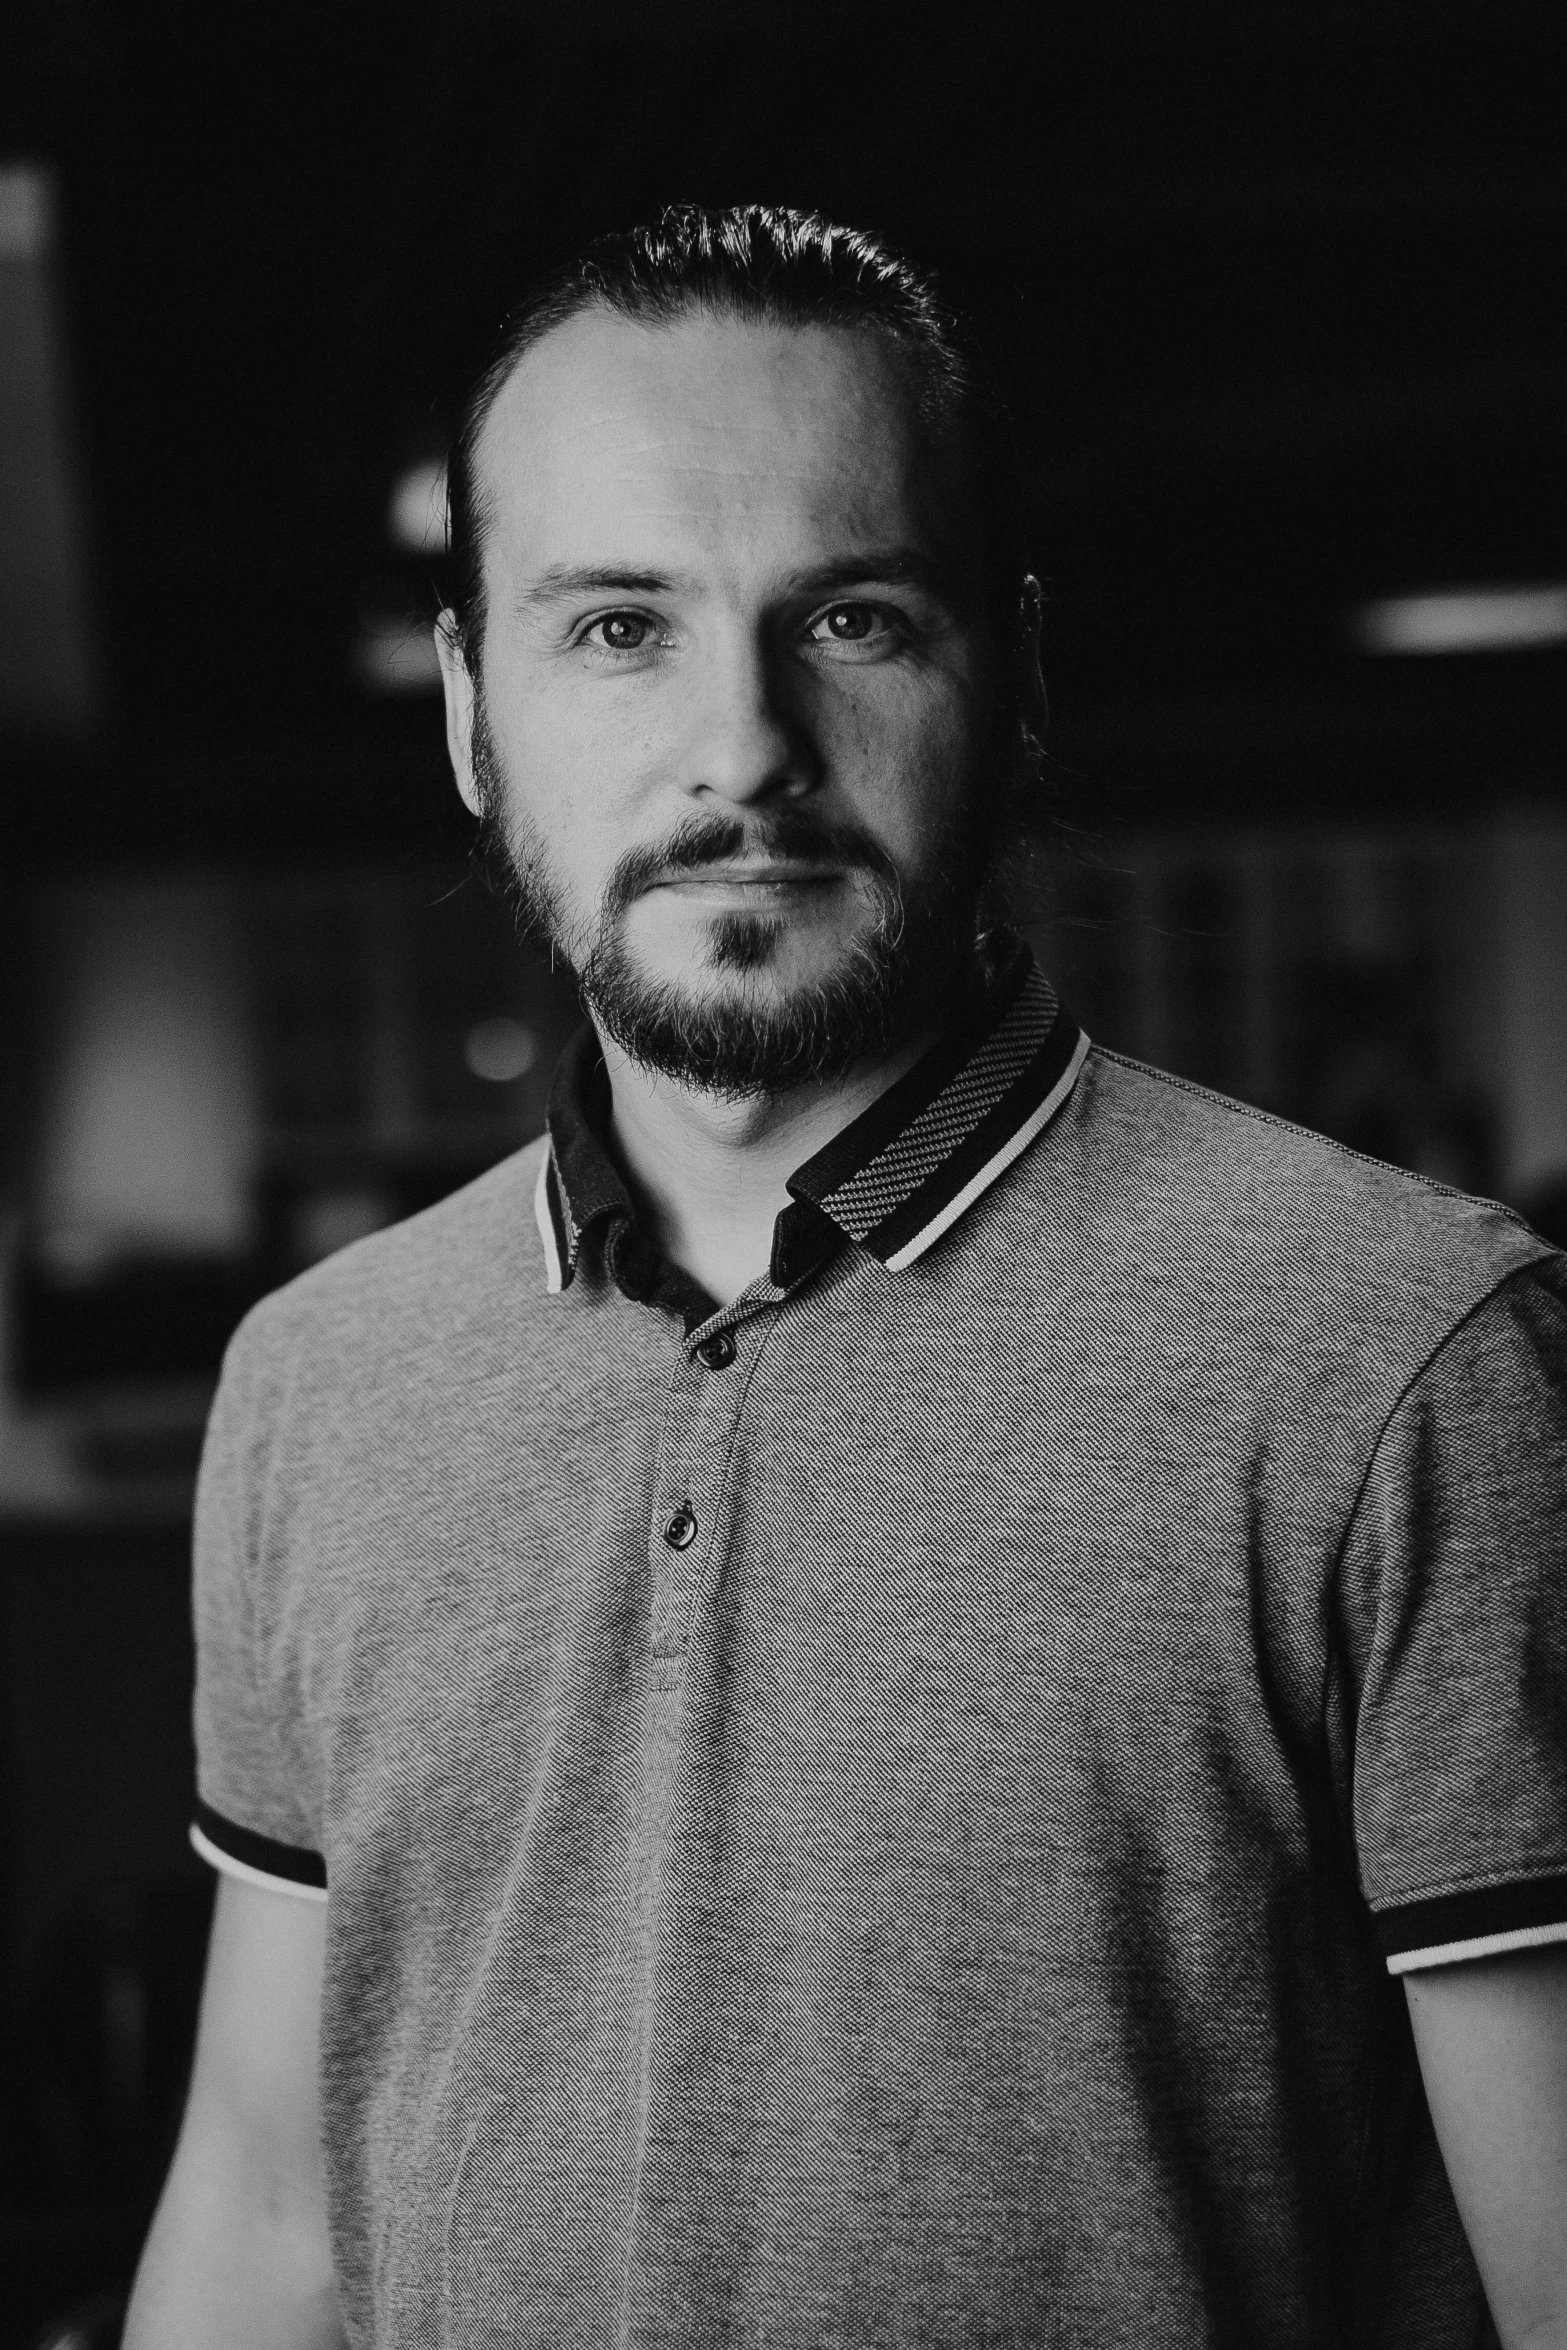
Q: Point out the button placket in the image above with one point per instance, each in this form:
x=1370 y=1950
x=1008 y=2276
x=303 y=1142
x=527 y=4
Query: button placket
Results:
x=686 y=1536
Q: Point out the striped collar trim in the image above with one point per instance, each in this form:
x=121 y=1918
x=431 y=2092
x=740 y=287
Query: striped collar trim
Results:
x=910 y=1166
x=935 y=1142
x=556 y=1230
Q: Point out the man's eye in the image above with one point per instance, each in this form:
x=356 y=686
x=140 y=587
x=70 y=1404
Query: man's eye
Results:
x=620 y=632
x=847 y=624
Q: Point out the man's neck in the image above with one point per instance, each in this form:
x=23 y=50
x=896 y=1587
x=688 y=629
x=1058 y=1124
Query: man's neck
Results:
x=711 y=1176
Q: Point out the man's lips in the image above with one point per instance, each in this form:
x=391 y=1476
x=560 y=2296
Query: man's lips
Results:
x=744 y=877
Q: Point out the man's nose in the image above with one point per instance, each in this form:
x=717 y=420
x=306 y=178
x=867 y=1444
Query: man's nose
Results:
x=749 y=739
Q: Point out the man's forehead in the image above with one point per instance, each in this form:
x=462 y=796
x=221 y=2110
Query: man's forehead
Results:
x=707 y=420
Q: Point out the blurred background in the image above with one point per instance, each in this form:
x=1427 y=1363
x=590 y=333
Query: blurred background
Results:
x=1277 y=293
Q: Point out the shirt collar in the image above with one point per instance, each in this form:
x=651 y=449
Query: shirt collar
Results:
x=895 y=1179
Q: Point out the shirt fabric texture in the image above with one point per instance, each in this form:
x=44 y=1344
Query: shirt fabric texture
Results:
x=888 y=1814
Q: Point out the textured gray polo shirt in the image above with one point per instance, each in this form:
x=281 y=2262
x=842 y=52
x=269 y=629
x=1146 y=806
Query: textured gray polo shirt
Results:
x=889 y=1814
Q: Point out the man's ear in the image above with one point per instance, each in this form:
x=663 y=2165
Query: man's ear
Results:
x=1032 y=702
x=457 y=686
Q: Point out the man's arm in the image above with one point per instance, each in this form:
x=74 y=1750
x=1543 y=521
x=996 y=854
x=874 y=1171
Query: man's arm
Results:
x=1491 y=2034
x=238 y=2253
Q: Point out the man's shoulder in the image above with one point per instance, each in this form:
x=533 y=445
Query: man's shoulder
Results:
x=436 y=1280
x=1250 y=1206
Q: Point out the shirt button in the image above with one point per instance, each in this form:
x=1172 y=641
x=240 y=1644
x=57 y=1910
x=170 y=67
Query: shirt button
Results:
x=680 y=1533
x=718 y=1351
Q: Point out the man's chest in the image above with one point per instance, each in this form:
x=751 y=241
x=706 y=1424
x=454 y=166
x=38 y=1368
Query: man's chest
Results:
x=949 y=1599
x=795 y=1774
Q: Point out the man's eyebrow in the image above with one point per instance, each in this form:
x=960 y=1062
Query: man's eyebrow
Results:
x=887 y=566
x=897 y=566
x=562 y=580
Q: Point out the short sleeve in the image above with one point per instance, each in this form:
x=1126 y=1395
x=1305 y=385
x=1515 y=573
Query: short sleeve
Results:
x=250 y=1819
x=1454 y=1587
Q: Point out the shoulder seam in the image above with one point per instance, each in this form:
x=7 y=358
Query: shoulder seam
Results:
x=1477 y=1305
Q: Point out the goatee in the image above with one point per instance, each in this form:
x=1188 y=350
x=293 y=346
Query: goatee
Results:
x=923 y=944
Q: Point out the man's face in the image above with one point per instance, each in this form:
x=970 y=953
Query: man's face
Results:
x=737 y=715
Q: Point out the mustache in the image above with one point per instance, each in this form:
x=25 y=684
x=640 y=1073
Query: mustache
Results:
x=793 y=835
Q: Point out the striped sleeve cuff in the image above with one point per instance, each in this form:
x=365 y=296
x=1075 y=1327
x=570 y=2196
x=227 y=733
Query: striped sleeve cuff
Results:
x=257 y=1860
x=1483 y=1923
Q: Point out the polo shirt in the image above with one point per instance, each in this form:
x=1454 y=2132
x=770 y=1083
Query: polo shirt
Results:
x=893 y=1812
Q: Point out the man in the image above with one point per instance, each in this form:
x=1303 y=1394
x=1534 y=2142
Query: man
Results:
x=905 y=1687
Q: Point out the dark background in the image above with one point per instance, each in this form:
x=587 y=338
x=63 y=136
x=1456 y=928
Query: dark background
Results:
x=1276 y=290
x=1276 y=293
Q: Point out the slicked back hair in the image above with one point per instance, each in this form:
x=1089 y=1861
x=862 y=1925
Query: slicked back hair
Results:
x=764 y=264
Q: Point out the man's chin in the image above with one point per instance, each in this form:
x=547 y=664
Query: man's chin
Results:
x=753 y=1000
x=742 y=1032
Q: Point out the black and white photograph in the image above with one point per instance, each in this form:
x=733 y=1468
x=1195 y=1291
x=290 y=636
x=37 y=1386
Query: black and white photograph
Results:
x=783 y=1176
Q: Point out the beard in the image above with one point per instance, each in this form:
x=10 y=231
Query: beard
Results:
x=926 y=941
